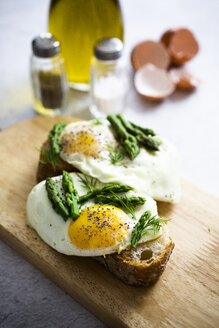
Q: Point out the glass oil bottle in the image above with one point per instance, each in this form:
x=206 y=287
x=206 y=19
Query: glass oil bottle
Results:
x=78 y=25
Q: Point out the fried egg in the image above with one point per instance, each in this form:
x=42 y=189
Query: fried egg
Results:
x=99 y=229
x=87 y=146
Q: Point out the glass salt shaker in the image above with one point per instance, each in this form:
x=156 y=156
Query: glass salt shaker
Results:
x=108 y=78
x=49 y=82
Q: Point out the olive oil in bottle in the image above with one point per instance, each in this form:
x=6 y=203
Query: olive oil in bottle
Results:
x=78 y=25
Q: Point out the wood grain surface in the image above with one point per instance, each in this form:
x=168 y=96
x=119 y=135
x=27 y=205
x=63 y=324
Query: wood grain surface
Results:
x=186 y=294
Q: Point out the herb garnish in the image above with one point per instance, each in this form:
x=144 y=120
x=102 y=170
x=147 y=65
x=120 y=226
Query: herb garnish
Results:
x=97 y=122
x=146 y=223
x=126 y=203
x=115 y=155
x=87 y=182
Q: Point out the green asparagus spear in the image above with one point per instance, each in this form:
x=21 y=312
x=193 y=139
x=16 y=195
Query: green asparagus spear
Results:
x=127 y=140
x=118 y=201
x=68 y=183
x=115 y=188
x=72 y=205
x=104 y=191
x=57 y=203
x=50 y=154
x=146 y=223
x=136 y=200
x=54 y=137
x=135 y=129
x=71 y=194
x=128 y=204
x=146 y=131
x=148 y=142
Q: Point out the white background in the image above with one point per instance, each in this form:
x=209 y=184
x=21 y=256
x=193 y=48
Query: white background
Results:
x=190 y=120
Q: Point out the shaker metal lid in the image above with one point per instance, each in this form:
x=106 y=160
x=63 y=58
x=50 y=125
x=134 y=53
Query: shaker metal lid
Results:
x=45 y=46
x=108 y=49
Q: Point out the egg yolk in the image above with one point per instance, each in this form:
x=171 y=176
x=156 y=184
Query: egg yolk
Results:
x=82 y=142
x=98 y=226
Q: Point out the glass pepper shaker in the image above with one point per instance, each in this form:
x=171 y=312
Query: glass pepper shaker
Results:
x=108 y=78
x=48 y=76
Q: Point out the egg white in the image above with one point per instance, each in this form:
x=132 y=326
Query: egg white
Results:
x=54 y=230
x=154 y=173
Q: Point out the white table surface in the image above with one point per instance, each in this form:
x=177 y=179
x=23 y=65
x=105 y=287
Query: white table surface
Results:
x=190 y=120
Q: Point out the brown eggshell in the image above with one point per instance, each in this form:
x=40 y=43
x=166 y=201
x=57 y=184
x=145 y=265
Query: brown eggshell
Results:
x=183 y=79
x=153 y=83
x=150 y=52
x=182 y=46
x=166 y=37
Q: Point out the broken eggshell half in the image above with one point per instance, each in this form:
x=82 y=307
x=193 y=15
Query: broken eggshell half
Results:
x=183 y=79
x=153 y=83
x=166 y=37
x=181 y=45
x=150 y=52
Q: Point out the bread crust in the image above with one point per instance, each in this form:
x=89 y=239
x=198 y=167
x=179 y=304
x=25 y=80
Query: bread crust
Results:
x=137 y=272
x=46 y=170
x=126 y=266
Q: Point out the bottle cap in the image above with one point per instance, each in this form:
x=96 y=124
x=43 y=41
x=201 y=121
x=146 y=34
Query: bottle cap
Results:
x=45 y=46
x=108 y=49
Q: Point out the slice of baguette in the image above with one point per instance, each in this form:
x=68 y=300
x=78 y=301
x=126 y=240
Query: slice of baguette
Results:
x=143 y=265
x=140 y=266
x=46 y=170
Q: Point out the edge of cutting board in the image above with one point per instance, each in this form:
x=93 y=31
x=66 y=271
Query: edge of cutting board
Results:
x=188 y=301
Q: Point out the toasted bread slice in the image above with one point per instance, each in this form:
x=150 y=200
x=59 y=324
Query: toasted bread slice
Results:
x=46 y=170
x=143 y=265
x=140 y=266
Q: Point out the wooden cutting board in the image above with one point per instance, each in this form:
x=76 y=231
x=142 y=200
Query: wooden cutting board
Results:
x=187 y=293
